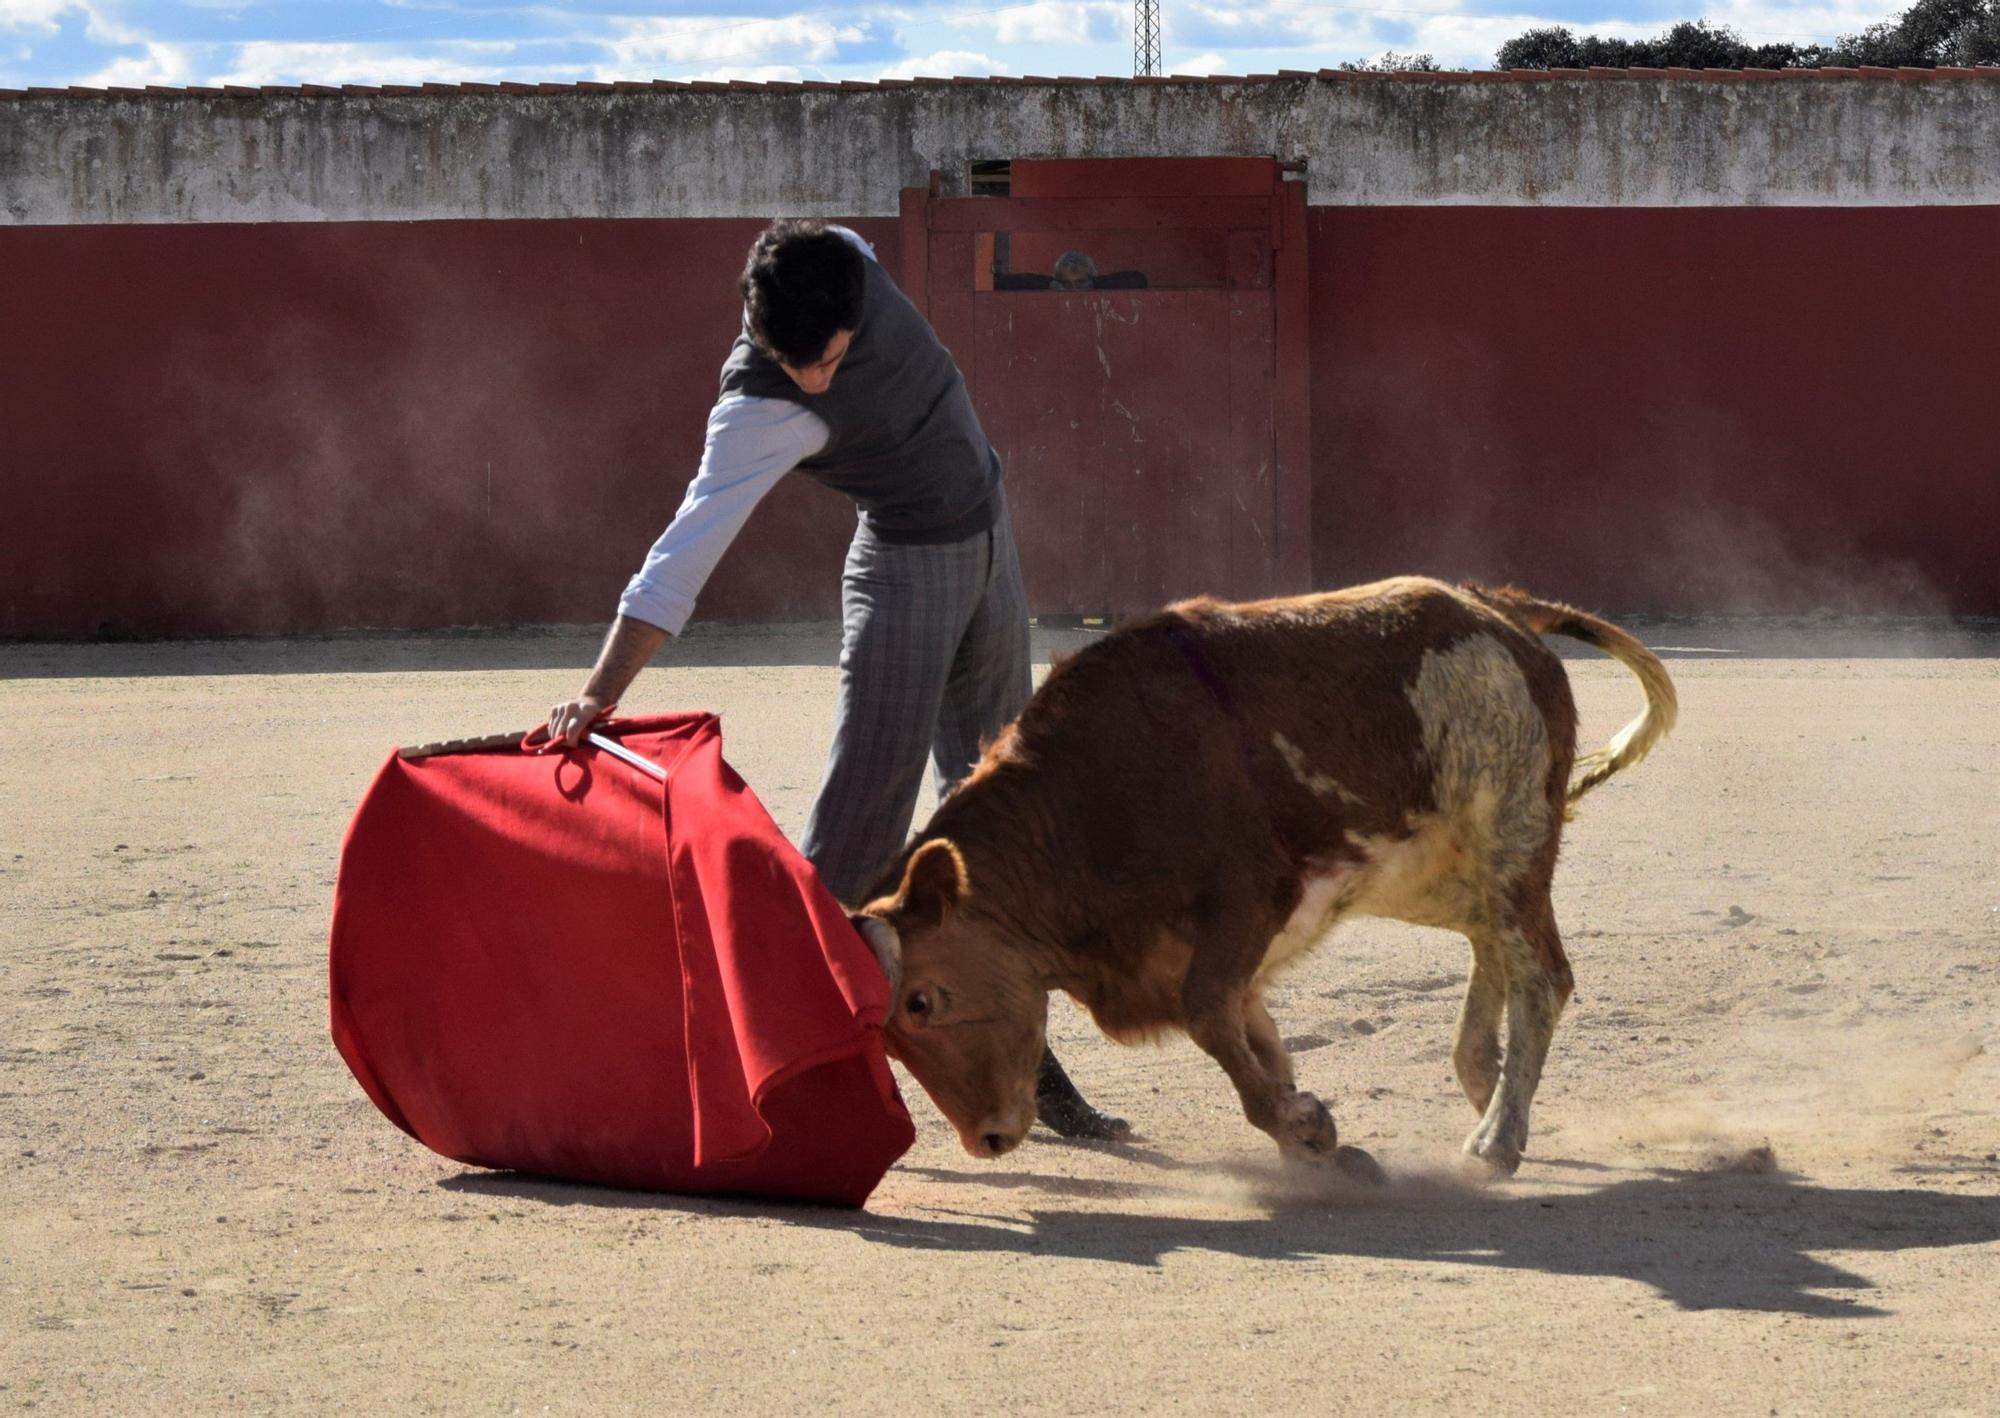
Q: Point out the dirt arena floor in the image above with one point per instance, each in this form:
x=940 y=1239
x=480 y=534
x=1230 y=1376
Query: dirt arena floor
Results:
x=1786 y=933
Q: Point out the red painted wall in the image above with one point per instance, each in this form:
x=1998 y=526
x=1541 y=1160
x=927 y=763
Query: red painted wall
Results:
x=285 y=427
x=1780 y=409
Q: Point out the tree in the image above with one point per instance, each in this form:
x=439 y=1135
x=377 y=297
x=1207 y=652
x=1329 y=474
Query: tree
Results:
x=1393 y=63
x=1691 y=44
x=1929 y=33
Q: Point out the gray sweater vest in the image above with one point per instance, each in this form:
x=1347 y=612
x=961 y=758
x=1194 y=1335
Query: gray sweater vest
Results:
x=905 y=443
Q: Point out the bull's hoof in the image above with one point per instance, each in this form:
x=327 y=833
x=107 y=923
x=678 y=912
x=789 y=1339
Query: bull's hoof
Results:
x=1496 y=1158
x=1358 y=1166
x=1308 y=1126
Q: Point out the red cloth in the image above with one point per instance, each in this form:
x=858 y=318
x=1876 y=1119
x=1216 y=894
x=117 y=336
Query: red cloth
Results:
x=557 y=963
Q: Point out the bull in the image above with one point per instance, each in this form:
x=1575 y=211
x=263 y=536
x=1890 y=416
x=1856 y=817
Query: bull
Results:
x=1191 y=803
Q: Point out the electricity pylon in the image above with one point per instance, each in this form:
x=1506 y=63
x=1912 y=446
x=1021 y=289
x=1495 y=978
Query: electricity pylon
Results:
x=1146 y=36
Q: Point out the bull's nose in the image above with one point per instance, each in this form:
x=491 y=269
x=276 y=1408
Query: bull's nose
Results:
x=999 y=1132
x=991 y=1141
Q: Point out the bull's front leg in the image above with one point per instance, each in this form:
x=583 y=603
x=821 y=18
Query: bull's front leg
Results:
x=1219 y=1020
x=1225 y=1015
x=1262 y=1031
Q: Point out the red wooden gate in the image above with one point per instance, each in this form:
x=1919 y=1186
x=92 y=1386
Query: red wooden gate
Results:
x=1155 y=439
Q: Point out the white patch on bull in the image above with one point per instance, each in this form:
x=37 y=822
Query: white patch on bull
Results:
x=1488 y=748
x=1320 y=785
x=1324 y=900
x=1488 y=751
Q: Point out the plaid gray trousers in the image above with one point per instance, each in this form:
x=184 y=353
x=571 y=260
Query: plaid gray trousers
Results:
x=933 y=664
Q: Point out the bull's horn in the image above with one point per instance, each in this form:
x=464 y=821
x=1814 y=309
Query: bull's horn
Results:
x=888 y=948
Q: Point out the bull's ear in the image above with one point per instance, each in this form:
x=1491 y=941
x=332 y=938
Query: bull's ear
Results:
x=933 y=883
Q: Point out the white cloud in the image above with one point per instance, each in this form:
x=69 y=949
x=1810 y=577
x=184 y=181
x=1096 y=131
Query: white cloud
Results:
x=35 y=14
x=168 y=65
x=741 y=73
x=942 y=64
x=266 y=62
x=1209 y=63
x=1058 y=22
x=798 y=38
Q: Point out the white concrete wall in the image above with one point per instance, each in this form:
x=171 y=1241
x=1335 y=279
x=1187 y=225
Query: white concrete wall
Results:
x=1851 y=140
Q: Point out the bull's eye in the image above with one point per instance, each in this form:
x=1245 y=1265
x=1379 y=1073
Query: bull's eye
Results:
x=918 y=1005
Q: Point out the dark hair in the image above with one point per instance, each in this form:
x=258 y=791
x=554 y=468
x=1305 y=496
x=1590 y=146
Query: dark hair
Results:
x=801 y=285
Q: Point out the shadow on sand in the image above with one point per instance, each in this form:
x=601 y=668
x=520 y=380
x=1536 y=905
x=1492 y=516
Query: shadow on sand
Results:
x=1699 y=1240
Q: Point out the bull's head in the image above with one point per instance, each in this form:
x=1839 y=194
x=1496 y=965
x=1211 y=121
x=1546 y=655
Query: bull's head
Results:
x=969 y=1017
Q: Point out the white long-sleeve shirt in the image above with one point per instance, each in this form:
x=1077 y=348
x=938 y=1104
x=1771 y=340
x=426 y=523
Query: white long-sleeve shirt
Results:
x=751 y=443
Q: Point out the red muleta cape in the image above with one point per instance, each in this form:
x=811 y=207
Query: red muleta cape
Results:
x=558 y=964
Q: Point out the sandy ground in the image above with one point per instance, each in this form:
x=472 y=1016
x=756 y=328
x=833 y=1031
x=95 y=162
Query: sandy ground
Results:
x=1784 y=928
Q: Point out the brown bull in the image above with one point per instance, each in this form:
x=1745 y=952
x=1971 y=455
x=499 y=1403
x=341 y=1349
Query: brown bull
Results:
x=1201 y=796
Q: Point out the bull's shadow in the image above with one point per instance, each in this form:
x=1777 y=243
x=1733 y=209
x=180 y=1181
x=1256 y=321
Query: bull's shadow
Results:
x=1701 y=1241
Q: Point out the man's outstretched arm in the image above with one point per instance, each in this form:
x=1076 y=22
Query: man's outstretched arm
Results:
x=751 y=444
x=628 y=648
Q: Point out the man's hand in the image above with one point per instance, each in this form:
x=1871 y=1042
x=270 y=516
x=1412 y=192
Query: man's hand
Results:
x=570 y=722
x=627 y=647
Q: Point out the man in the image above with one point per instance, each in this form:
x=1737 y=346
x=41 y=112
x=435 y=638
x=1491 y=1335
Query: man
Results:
x=934 y=642
x=1074 y=271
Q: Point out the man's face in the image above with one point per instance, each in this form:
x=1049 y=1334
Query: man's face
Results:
x=817 y=377
x=1071 y=278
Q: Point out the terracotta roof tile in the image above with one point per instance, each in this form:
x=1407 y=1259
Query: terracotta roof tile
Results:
x=1984 y=71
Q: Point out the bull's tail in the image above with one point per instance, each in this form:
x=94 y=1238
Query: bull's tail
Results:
x=1636 y=739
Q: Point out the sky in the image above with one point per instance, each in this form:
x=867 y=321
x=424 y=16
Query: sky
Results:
x=103 y=43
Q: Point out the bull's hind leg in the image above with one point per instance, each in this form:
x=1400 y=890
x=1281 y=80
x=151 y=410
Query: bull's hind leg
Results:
x=1538 y=984
x=1475 y=1053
